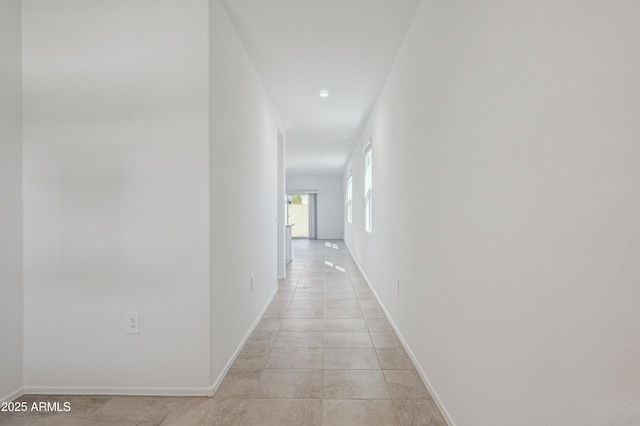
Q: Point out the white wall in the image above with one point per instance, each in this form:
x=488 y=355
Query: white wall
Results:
x=244 y=151
x=331 y=204
x=116 y=190
x=11 y=300
x=510 y=132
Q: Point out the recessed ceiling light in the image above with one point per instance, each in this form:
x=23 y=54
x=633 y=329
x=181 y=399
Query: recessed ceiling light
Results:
x=324 y=93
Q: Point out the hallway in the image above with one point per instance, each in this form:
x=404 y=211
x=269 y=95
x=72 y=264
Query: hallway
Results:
x=477 y=162
x=323 y=354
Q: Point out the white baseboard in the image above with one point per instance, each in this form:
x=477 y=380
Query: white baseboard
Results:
x=225 y=370
x=423 y=375
x=13 y=395
x=48 y=390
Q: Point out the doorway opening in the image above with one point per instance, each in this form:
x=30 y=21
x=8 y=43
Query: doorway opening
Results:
x=301 y=215
x=282 y=210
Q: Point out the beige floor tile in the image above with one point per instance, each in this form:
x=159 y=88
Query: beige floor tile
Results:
x=215 y=412
x=343 y=384
x=368 y=304
x=307 y=296
x=239 y=384
x=353 y=412
x=127 y=409
x=307 y=304
x=311 y=283
x=284 y=413
x=314 y=267
x=332 y=295
x=406 y=384
x=419 y=412
x=365 y=294
x=342 y=313
x=347 y=339
x=295 y=358
x=338 y=276
x=385 y=339
x=315 y=270
x=394 y=359
x=304 y=286
x=305 y=313
x=261 y=339
x=16 y=419
x=61 y=419
x=280 y=302
x=269 y=324
x=293 y=276
x=293 y=273
x=339 y=292
x=180 y=408
x=344 y=324
x=358 y=287
x=299 y=339
x=318 y=276
x=337 y=303
x=251 y=358
x=310 y=289
x=335 y=274
x=275 y=312
x=342 y=286
x=289 y=384
x=378 y=324
x=302 y=324
x=339 y=271
x=350 y=359
x=373 y=313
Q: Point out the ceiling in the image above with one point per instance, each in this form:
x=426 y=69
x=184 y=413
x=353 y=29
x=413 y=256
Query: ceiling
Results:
x=300 y=47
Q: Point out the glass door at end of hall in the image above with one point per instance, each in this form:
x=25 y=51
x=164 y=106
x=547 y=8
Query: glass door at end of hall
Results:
x=298 y=215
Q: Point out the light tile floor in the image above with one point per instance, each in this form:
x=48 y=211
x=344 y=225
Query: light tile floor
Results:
x=323 y=354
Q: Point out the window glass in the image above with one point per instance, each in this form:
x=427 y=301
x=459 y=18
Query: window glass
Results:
x=349 y=199
x=368 y=188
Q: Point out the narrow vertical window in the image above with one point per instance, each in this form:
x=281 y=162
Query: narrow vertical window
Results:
x=349 y=199
x=368 y=188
